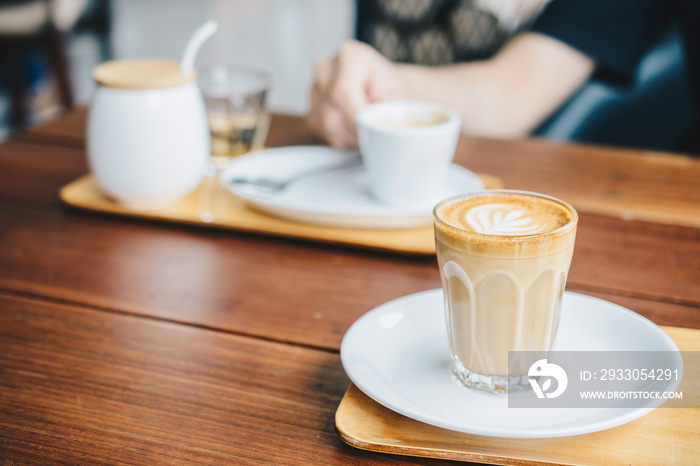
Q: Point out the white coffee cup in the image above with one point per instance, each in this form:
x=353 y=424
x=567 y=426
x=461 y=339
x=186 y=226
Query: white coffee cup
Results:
x=407 y=148
x=148 y=137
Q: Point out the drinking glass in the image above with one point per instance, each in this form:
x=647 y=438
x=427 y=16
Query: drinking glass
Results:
x=236 y=103
x=504 y=257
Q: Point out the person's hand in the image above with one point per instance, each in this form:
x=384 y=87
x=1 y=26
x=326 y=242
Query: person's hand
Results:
x=357 y=76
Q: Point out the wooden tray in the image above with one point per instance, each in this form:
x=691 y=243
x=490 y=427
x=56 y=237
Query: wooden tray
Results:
x=664 y=436
x=231 y=212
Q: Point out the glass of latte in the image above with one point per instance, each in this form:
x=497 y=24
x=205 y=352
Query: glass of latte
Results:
x=504 y=257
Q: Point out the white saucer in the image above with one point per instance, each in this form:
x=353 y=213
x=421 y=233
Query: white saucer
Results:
x=397 y=354
x=339 y=198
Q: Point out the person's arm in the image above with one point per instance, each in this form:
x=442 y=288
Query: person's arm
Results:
x=505 y=96
x=508 y=95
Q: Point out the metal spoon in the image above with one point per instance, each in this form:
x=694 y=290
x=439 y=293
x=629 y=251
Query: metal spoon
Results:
x=272 y=185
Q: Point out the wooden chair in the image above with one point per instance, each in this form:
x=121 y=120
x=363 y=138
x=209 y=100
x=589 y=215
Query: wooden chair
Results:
x=42 y=24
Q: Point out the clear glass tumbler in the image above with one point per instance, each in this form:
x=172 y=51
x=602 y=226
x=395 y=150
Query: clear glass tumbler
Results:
x=236 y=102
x=504 y=257
x=239 y=120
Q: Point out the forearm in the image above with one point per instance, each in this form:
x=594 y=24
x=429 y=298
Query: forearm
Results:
x=471 y=90
x=508 y=95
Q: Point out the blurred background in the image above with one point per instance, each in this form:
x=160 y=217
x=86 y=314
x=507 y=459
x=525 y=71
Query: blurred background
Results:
x=48 y=49
x=286 y=37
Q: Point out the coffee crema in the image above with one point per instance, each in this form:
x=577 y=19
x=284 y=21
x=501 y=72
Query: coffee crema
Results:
x=501 y=220
x=506 y=214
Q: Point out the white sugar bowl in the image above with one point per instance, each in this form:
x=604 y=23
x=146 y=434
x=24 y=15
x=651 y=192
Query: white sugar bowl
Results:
x=148 y=138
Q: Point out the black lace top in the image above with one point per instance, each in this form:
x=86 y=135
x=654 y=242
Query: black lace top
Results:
x=440 y=32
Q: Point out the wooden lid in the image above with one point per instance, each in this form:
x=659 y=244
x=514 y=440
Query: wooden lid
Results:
x=142 y=74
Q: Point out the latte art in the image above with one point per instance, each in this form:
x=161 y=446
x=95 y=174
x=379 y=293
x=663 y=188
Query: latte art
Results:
x=504 y=257
x=501 y=219
x=503 y=214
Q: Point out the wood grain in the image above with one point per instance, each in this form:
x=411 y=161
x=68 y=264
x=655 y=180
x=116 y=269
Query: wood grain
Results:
x=655 y=260
x=628 y=184
x=230 y=212
x=272 y=288
x=81 y=386
x=34 y=173
x=284 y=290
x=612 y=255
x=127 y=341
x=69 y=131
x=624 y=183
x=281 y=289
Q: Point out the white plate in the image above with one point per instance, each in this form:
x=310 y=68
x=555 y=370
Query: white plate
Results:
x=339 y=198
x=397 y=354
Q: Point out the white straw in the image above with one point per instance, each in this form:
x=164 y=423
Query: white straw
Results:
x=199 y=37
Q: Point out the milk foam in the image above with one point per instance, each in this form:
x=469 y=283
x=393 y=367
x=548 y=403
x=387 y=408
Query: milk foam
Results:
x=505 y=223
x=505 y=214
x=502 y=219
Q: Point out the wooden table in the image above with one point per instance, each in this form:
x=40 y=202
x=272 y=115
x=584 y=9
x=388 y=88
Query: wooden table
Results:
x=127 y=341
